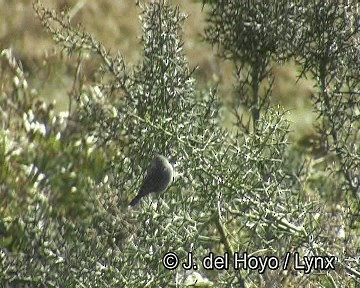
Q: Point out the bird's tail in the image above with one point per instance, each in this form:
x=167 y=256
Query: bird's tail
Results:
x=135 y=200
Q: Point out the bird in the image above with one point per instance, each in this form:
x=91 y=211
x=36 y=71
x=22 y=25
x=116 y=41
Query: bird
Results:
x=158 y=178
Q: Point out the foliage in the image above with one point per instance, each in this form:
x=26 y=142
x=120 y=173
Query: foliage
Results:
x=66 y=178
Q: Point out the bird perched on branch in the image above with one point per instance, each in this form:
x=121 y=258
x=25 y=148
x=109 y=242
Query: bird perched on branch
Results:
x=158 y=178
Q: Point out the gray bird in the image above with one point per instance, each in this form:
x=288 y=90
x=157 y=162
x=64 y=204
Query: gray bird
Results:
x=158 y=178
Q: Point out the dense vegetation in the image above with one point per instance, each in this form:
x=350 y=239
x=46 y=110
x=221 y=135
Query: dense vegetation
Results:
x=247 y=184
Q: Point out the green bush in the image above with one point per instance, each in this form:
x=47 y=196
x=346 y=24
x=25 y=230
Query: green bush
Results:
x=66 y=178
